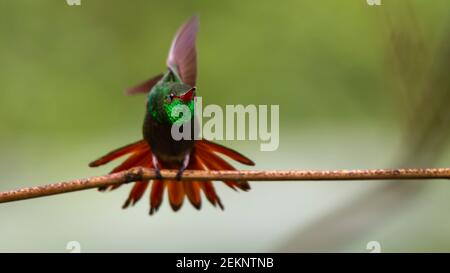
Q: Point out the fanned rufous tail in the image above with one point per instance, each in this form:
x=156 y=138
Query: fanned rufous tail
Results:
x=205 y=156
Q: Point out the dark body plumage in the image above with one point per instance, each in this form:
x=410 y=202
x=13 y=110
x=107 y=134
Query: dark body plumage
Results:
x=158 y=136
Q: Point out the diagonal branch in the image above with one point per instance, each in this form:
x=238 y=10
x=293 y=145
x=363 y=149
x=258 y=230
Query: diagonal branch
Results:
x=138 y=174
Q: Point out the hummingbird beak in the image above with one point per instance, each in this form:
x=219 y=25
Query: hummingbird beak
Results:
x=189 y=95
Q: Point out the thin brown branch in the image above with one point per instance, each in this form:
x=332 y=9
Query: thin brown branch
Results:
x=138 y=174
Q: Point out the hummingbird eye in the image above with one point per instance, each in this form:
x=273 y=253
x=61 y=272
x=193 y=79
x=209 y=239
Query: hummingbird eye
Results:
x=171 y=97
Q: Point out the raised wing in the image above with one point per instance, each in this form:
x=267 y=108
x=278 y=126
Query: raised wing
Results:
x=182 y=57
x=145 y=86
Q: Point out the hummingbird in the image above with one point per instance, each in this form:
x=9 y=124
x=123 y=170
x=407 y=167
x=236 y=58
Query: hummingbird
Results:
x=159 y=150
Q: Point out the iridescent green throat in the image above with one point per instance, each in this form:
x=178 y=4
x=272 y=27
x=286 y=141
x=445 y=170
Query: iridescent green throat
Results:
x=168 y=111
x=179 y=112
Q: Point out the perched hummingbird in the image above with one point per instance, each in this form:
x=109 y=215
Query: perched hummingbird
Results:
x=158 y=149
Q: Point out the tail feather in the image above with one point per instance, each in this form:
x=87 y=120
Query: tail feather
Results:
x=214 y=162
x=135 y=146
x=175 y=190
x=139 y=188
x=139 y=158
x=211 y=194
x=205 y=156
x=207 y=186
x=136 y=193
x=192 y=190
x=156 y=195
x=136 y=159
x=209 y=145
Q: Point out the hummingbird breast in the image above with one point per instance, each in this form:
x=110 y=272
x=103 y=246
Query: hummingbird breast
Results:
x=163 y=145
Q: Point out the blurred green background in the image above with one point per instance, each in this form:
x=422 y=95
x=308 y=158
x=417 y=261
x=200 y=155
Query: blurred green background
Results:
x=358 y=86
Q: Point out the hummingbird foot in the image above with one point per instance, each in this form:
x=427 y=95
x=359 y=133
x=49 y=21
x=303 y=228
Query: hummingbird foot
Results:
x=158 y=174
x=179 y=174
x=183 y=167
x=157 y=168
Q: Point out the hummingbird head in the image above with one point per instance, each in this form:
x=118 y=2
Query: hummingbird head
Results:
x=172 y=102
